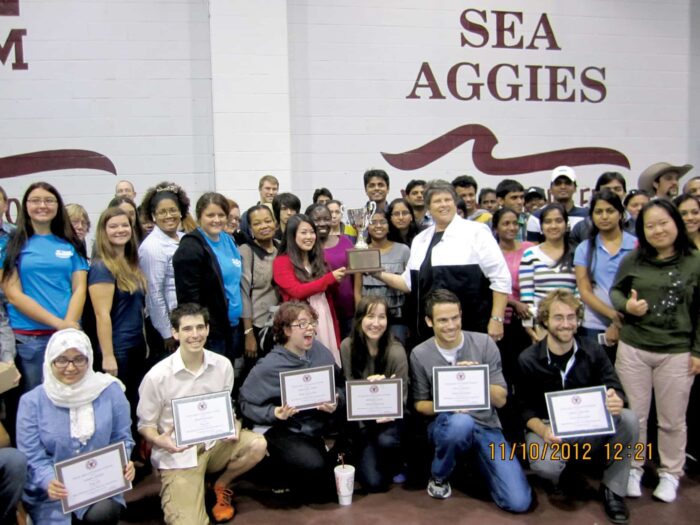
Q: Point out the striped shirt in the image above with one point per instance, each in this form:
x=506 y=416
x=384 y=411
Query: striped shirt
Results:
x=539 y=275
x=156 y=262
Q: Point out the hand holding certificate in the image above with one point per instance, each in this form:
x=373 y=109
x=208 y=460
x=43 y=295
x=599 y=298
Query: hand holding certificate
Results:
x=203 y=418
x=579 y=412
x=461 y=388
x=308 y=388
x=372 y=400
x=91 y=477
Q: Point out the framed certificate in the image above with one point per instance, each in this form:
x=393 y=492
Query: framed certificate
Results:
x=461 y=388
x=308 y=388
x=93 y=476
x=374 y=399
x=202 y=418
x=579 y=412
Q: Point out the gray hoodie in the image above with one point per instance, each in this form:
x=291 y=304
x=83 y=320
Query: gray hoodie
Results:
x=260 y=393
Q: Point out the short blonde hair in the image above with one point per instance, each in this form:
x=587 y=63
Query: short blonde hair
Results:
x=76 y=211
x=558 y=296
x=268 y=178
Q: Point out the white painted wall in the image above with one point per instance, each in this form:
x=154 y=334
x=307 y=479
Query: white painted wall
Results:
x=251 y=99
x=215 y=94
x=128 y=79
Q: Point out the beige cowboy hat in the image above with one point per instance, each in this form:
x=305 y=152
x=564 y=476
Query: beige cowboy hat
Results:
x=653 y=172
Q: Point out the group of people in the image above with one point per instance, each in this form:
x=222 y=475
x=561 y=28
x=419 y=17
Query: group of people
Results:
x=549 y=295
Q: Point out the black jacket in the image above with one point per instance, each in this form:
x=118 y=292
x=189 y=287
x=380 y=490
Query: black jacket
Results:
x=536 y=376
x=198 y=280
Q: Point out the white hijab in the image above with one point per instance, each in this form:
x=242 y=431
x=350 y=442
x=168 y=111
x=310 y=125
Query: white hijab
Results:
x=79 y=396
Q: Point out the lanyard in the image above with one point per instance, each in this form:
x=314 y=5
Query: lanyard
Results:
x=567 y=368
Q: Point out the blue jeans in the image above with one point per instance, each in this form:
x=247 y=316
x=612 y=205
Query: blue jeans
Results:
x=400 y=332
x=30 y=358
x=453 y=435
x=378 y=451
x=13 y=473
x=7 y=337
x=591 y=336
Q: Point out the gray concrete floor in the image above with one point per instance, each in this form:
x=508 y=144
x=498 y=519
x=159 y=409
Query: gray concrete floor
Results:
x=414 y=506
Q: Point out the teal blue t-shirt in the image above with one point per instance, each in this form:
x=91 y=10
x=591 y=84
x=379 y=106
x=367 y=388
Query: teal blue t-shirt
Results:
x=229 y=259
x=46 y=265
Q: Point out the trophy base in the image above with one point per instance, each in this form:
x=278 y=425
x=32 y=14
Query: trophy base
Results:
x=367 y=260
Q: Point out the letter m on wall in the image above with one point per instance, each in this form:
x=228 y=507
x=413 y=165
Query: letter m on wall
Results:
x=14 y=39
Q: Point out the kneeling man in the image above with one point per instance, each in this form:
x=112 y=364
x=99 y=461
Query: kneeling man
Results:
x=189 y=371
x=563 y=362
x=453 y=434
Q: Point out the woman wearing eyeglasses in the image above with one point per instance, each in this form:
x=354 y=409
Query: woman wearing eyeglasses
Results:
x=75 y=410
x=402 y=222
x=394 y=257
x=298 y=459
x=44 y=276
x=167 y=204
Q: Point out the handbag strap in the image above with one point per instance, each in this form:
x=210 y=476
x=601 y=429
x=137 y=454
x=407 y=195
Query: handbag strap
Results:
x=252 y=272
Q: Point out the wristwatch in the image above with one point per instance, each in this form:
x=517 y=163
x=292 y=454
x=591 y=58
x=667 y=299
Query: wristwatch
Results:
x=497 y=319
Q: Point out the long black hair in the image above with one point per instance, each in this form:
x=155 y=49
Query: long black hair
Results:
x=359 y=352
x=394 y=233
x=683 y=245
x=566 y=261
x=611 y=198
x=383 y=213
x=60 y=227
x=289 y=246
x=498 y=215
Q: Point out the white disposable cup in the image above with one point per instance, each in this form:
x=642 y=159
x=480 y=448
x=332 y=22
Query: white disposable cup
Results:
x=344 y=483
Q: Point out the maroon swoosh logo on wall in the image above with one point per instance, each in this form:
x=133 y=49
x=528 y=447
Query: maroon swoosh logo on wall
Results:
x=484 y=143
x=57 y=159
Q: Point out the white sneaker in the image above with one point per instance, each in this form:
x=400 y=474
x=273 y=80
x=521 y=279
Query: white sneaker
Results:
x=634 y=483
x=667 y=487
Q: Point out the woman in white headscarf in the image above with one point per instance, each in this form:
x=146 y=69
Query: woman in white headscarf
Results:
x=75 y=410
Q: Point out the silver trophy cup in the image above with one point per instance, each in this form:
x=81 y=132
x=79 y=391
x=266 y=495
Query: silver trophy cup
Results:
x=360 y=218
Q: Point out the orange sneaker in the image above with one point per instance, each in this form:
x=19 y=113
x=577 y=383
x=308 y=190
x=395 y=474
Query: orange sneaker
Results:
x=223 y=510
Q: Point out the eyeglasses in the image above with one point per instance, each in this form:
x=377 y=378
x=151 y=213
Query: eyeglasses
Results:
x=37 y=201
x=63 y=362
x=174 y=212
x=305 y=324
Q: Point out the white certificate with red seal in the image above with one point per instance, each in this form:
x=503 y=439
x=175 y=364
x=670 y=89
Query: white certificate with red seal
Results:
x=461 y=388
x=368 y=400
x=579 y=412
x=308 y=388
x=93 y=476
x=202 y=418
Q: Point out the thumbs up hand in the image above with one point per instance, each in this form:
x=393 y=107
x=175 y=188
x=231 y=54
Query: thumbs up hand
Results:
x=636 y=306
